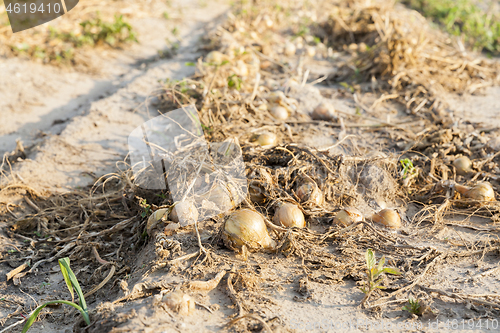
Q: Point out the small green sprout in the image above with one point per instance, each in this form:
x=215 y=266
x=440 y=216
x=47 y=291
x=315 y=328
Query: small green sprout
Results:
x=234 y=81
x=72 y=283
x=374 y=272
x=413 y=306
x=408 y=168
x=146 y=207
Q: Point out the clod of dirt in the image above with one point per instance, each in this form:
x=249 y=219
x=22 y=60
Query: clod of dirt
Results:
x=179 y=302
x=463 y=165
x=377 y=181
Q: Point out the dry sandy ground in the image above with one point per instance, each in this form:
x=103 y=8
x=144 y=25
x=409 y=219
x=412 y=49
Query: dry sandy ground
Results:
x=74 y=123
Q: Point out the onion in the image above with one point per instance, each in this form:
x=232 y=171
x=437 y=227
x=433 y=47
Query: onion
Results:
x=348 y=216
x=289 y=215
x=463 y=165
x=242 y=68
x=311 y=51
x=494 y=143
x=268 y=22
x=221 y=197
x=266 y=139
x=290 y=49
x=184 y=212
x=276 y=96
x=246 y=227
x=482 y=191
x=388 y=217
x=299 y=43
x=323 y=111
x=279 y=112
x=257 y=192
x=310 y=192
x=215 y=57
x=179 y=302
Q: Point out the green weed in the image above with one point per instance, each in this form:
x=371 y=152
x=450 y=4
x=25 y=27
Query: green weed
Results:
x=408 y=168
x=463 y=18
x=374 y=272
x=234 y=81
x=146 y=207
x=413 y=306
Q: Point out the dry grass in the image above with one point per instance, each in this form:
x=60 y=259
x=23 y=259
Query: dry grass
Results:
x=234 y=90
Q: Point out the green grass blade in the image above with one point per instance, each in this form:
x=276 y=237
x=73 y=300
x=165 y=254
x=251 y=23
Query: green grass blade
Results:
x=31 y=319
x=64 y=272
x=392 y=270
x=381 y=263
x=74 y=282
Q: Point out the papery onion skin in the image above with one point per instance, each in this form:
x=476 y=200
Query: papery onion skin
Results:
x=463 y=165
x=482 y=191
x=323 y=112
x=267 y=139
x=310 y=192
x=246 y=227
x=388 y=217
x=289 y=215
x=279 y=113
x=347 y=216
x=179 y=302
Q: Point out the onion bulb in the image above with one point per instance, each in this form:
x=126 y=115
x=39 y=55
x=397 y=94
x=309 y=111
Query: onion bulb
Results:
x=310 y=192
x=348 y=216
x=215 y=57
x=388 y=217
x=266 y=139
x=268 y=22
x=246 y=227
x=241 y=68
x=257 y=192
x=184 y=212
x=276 y=96
x=279 y=112
x=323 y=111
x=179 y=302
x=289 y=215
x=311 y=51
x=494 y=143
x=221 y=197
x=463 y=165
x=482 y=191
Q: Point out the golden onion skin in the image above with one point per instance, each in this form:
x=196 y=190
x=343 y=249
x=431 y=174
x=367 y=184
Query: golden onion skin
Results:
x=246 y=227
x=310 y=192
x=279 y=113
x=323 y=112
x=388 y=217
x=257 y=192
x=347 y=216
x=463 y=165
x=267 y=139
x=482 y=191
x=289 y=215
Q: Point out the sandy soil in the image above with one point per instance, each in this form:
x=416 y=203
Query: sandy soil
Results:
x=74 y=127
